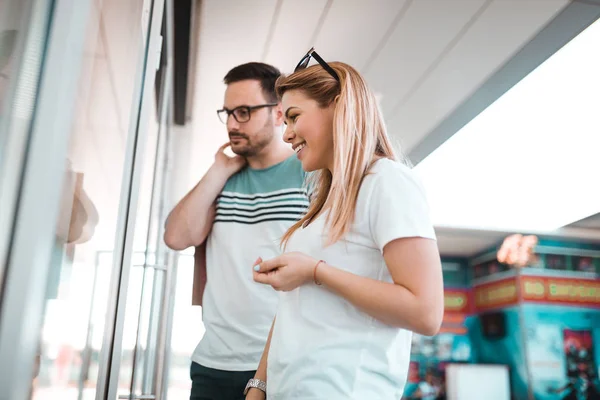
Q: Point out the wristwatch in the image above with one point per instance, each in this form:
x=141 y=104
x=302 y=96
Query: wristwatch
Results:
x=255 y=383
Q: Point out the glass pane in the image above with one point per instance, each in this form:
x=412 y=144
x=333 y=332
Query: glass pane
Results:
x=187 y=331
x=83 y=256
x=145 y=284
x=23 y=27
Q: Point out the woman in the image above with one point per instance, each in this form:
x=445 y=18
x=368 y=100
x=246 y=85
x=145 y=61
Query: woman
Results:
x=361 y=270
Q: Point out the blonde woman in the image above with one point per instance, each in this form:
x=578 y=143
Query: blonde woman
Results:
x=361 y=270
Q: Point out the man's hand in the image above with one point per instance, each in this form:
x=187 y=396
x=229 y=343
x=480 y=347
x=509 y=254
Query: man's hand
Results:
x=229 y=165
x=518 y=250
x=192 y=218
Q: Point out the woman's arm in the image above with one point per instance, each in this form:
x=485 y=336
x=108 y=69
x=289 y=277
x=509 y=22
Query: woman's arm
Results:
x=415 y=300
x=261 y=371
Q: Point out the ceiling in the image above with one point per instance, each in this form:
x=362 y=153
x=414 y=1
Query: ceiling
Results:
x=591 y=222
x=424 y=58
x=470 y=242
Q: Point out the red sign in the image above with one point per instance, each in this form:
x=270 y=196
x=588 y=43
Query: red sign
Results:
x=413 y=372
x=457 y=330
x=498 y=294
x=457 y=301
x=565 y=291
x=454 y=318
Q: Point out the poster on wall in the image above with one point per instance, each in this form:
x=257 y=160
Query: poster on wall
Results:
x=580 y=367
x=556 y=262
x=562 y=351
x=413 y=372
x=489 y=268
x=583 y=264
x=569 y=373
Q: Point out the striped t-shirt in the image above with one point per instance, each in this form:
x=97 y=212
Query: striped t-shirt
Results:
x=254 y=210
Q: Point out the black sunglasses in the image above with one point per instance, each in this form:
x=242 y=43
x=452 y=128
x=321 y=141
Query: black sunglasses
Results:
x=313 y=54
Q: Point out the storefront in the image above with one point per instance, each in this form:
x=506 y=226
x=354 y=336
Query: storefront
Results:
x=87 y=284
x=541 y=322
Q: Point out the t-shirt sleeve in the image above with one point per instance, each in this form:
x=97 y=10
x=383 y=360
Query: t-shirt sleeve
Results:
x=398 y=207
x=309 y=184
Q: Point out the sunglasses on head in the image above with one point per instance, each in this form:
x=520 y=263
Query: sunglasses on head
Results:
x=313 y=54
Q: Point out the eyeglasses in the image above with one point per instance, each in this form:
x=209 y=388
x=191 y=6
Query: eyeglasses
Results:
x=242 y=113
x=306 y=59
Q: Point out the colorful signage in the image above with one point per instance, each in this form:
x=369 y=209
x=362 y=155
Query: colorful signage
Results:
x=457 y=306
x=457 y=301
x=564 y=291
x=498 y=294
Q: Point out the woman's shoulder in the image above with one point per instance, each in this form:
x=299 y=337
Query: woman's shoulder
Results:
x=394 y=179
x=386 y=170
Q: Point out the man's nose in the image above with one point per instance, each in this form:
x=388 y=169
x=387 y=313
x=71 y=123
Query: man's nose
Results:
x=232 y=124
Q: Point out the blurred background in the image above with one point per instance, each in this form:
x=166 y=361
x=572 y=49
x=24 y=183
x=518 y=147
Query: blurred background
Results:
x=107 y=118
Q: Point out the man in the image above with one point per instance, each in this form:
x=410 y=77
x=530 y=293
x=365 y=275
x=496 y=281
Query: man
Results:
x=241 y=208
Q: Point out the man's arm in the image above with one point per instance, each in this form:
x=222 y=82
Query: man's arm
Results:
x=191 y=220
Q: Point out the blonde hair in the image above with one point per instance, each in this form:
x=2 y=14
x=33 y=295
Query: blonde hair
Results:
x=359 y=139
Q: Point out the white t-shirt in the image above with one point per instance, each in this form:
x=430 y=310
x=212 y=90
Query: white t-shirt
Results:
x=254 y=210
x=322 y=346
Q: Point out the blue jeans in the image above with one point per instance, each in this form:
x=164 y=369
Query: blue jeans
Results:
x=214 y=384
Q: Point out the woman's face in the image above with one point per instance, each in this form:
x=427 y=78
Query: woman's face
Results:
x=309 y=129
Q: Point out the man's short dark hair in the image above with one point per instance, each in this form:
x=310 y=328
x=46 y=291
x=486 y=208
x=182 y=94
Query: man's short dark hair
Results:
x=264 y=73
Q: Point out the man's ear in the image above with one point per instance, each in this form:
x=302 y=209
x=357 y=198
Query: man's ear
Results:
x=278 y=114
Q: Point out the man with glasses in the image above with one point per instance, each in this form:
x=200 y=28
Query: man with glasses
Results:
x=240 y=209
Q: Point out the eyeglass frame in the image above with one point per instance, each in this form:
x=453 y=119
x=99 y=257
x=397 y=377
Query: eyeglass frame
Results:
x=249 y=109
x=303 y=64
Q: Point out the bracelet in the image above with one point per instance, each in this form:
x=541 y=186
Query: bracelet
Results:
x=257 y=384
x=315 y=272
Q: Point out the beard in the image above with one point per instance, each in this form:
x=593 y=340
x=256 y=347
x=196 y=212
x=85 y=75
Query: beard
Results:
x=244 y=146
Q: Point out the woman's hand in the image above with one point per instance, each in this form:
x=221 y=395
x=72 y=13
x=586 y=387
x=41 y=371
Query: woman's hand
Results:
x=286 y=272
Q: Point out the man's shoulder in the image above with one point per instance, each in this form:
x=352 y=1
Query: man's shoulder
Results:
x=288 y=175
x=234 y=180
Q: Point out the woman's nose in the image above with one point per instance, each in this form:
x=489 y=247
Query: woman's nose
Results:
x=289 y=134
